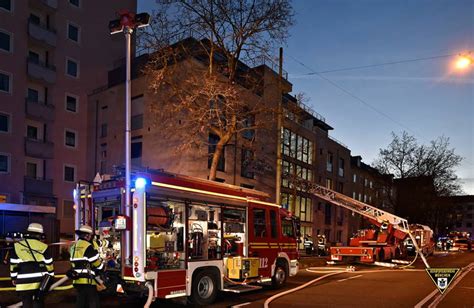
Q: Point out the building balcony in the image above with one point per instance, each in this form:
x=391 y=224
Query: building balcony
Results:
x=42 y=33
x=39 y=148
x=51 y=5
x=37 y=186
x=39 y=110
x=41 y=71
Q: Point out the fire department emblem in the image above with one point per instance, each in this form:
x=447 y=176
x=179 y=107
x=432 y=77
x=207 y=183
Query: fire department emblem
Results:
x=442 y=283
x=442 y=277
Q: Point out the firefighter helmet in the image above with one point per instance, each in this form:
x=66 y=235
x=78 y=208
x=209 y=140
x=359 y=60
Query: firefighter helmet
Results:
x=35 y=227
x=85 y=229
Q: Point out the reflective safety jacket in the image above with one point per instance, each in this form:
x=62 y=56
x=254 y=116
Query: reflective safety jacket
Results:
x=29 y=264
x=85 y=261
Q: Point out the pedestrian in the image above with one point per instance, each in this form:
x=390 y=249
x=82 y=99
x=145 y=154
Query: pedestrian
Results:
x=86 y=263
x=30 y=261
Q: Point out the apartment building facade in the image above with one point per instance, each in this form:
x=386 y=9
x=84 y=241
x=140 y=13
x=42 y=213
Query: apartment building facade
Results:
x=52 y=54
x=150 y=148
x=309 y=153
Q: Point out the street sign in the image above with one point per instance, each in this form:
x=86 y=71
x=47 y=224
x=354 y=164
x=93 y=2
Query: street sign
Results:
x=442 y=277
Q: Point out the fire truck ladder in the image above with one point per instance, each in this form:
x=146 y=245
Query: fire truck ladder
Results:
x=365 y=210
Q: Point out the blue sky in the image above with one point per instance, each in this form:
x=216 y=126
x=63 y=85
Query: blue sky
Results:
x=426 y=98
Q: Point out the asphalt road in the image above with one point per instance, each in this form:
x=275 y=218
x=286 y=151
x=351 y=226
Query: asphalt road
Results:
x=367 y=286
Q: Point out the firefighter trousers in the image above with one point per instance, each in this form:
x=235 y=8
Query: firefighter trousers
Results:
x=87 y=296
x=27 y=299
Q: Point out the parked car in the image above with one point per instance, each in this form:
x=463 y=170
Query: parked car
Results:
x=461 y=244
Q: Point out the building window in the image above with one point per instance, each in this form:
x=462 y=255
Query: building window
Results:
x=468 y=224
x=329 y=162
x=33 y=57
x=75 y=3
x=31 y=170
x=365 y=198
x=3 y=198
x=71 y=103
x=246 y=164
x=249 y=122
x=34 y=19
x=68 y=209
x=354 y=195
x=137 y=122
x=339 y=236
x=327 y=214
x=213 y=140
x=73 y=32
x=5 y=41
x=103 y=130
x=32 y=132
x=371 y=184
x=296 y=146
x=5 y=82
x=4 y=123
x=72 y=68
x=6 y=5
x=70 y=138
x=366 y=182
x=340 y=187
x=69 y=173
x=354 y=178
x=4 y=163
x=329 y=183
x=32 y=95
x=341 y=167
x=137 y=149
x=360 y=197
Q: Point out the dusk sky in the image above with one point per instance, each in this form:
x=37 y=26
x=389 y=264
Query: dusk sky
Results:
x=427 y=98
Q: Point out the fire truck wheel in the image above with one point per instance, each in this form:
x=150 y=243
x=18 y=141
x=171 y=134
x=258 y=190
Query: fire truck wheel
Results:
x=204 y=289
x=281 y=273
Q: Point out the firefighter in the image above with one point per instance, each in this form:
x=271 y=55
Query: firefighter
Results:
x=86 y=263
x=30 y=260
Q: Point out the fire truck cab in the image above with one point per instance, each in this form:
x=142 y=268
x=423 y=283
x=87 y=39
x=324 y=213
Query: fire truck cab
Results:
x=188 y=237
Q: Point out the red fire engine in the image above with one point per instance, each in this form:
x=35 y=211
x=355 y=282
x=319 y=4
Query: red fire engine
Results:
x=383 y=242
x=188 y=236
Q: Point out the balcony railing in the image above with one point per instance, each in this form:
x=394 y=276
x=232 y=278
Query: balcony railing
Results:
x=38 y=186
x=42 y=33
x=39 y=110
x=40 y=70
x=39 y=148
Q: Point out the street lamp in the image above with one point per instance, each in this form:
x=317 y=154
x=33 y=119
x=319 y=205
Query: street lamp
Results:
x=464 y=61
x=128 y=22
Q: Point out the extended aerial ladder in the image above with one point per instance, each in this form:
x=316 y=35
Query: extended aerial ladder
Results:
x=366 y=210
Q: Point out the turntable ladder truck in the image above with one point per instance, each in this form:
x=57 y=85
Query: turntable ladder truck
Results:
x=397 y=227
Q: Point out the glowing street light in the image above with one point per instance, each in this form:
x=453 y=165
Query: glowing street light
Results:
x=464 y=61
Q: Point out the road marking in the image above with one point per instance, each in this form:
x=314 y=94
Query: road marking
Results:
x=240 y=305
x=353 y=277
x=427 y=298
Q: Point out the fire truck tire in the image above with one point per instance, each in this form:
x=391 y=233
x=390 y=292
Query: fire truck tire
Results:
x=204 y=288
x=280 y=275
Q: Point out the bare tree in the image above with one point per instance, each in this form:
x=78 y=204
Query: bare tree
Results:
x=216 y=93
x=404 y=158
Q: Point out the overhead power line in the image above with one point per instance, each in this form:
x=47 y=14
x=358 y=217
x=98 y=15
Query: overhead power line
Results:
x=376 y=65
x=334 y=84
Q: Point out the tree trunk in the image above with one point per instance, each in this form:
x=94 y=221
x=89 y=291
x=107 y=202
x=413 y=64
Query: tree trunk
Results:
x=215 y=159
